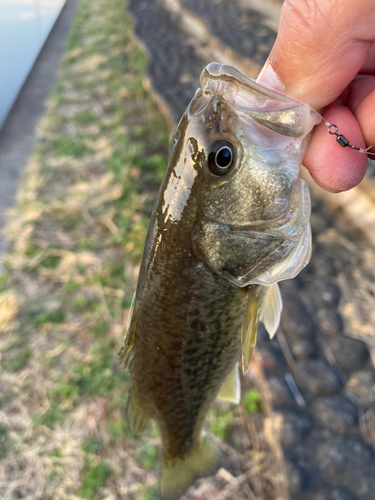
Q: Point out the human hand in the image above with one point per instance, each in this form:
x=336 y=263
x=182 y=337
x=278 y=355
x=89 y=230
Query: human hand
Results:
x=324 y=55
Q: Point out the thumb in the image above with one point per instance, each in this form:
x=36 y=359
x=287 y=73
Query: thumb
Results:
x=320 y=47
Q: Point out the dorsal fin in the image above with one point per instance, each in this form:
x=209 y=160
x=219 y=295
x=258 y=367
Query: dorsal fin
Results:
x=271 y=310
x=250 y=325
x=127 y=347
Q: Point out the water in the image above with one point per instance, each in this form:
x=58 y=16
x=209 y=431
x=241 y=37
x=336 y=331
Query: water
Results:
x=24 y=27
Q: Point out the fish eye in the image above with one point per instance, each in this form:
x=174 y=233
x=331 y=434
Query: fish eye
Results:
x=221 y=157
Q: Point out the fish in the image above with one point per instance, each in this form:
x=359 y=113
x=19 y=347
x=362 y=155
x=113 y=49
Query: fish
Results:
x=230 y=221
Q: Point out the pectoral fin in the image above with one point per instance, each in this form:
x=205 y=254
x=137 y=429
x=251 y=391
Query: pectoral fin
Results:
x=231 y=389
x=271 y=310
x=250 y=325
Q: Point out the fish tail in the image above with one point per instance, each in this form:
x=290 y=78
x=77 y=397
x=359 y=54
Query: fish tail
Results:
x=177 y=476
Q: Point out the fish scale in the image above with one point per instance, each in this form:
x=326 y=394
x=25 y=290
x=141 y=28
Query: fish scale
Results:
x=178 y=375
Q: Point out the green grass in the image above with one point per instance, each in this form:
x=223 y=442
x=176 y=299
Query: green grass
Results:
x=50 y=418
x=4 y=442
x=118 y=429
x=220 y=419
x=93 y=445
x=4 y=278
x=18 y=359
x=252 y=401
x=92 y=479
x=147 y=493
x=66 y=392
x=85 y=117
x=54 y=316
x=148 y=456
x=100 y=327
x=51 y=261
x=70 y=146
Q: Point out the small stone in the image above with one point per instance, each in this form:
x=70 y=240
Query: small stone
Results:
x=317 y=206
x=262 y=335
x=302 y=349
x=330 y=321
x=350 y=354
x=296 y=477
x=337 y=493
x=370 y=427
x=317 y=377
x=325 y=266
x=336 y=413
x=290 y=285
x=318 y=223
x=350 y=463
x=361 y=386
x=296 y=426
x=273 y=360
x=323 y=293
x=296 y=321
x=240 y=438
x=280 y=391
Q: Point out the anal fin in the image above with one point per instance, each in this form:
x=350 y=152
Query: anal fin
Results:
x=231 y=388
x=126 y=351
x=137 y=419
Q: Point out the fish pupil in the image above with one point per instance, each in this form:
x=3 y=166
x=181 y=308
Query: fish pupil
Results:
x=221 y=157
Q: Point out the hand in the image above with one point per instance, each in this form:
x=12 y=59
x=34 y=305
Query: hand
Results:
x=324 y=55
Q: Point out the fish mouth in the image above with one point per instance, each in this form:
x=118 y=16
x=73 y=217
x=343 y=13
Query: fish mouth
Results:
x=273 y=110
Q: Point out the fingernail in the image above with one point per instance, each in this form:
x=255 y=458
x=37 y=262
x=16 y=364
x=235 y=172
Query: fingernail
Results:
x=269 y=79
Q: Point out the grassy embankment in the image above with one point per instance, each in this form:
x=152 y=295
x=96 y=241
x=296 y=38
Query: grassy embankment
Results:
x=77 y=234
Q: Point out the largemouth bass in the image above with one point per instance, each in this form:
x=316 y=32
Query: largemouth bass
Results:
x=231 y=220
